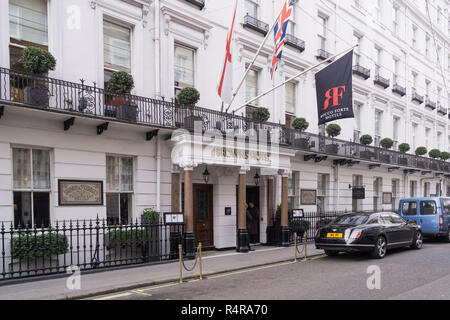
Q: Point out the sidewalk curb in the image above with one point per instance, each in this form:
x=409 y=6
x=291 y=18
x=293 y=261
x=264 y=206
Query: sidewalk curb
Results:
x=175 y=280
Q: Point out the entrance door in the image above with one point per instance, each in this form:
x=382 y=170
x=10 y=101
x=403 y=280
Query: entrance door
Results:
x=203 y=214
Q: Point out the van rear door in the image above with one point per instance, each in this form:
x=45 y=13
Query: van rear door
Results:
x=429 y=218
x=408 y=211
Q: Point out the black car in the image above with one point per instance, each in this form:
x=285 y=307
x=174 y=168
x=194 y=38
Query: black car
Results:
x=370 y=232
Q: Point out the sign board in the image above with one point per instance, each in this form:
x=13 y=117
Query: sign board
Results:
x=173 y=218
x=80 y=193
x=228 y=211
x=387 y=198
x=359 y=193
x=297 y=213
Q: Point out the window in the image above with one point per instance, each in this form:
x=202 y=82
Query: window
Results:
x=184 y=68
x=322 y=191
x=414 y=37
x=427 y=208
x=357 y=182
x=426 y=189
x=251 y=8
x=409 y=208
x=427 y=138
x=251 y=86
x=395 y=130
x=378 y=61
x=292 y=25
x=378 y=119
x=395 y=188
x=377 y=190
x=357 y=51
x=396 y=71
x=290 y=97
x=322 y=36
x=413 y=189
x=293 y=190
x=445 y=205
x=119 y=189
x=395 y=20
x=31 y=187
x=357 y=123
x=414 y=135
x=28 y=24
x=117 y=47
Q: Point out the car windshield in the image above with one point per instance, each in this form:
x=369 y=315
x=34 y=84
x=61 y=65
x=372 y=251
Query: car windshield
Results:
x=352 y=219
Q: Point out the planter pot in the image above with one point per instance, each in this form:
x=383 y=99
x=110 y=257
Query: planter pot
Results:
x=302 y=143
x=34 y=266
x=332 y=148
x=36 y=96
x=127 y=112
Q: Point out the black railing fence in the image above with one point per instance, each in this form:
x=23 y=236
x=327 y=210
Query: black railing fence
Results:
x=80 y=99
x=311 y=221
x=86 y=244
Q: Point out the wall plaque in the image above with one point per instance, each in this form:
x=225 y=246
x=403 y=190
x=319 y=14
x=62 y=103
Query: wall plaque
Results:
x=387 y=198
x=308 y=197
x=358 y=193
x=80 y=193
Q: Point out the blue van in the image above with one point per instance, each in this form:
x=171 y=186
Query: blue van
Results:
x=432 y=214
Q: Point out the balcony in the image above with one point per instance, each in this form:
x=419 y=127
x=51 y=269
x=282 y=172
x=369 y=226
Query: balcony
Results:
x=256 y=25
x=441 y=110
x=295 y=42
x=383 y=82
x=430 y=104
x=323 y=55
x=399 y=90
x=70 y=100
x=416 y=97
x=361 y=71
x=198 y=3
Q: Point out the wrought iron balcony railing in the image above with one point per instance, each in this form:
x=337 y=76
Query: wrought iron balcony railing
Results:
x=383 y=82
x=361 y=71
x=199 y=3
x=18 y=89
x=399 y=89
x=255 y=24
x=430 y=104
x=295 y=42
x=416 y=97
x=323 y=55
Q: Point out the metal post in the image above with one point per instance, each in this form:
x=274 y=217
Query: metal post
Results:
x=305 y=245
x=180 y=254
x=295 y=246
x=200 y=260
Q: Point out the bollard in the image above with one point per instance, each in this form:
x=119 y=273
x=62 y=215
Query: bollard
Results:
x=180 y=254
x=295 y=246
x=200 y=260
x=305 y=238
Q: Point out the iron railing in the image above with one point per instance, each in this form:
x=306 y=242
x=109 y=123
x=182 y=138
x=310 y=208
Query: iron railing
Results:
x=199 y=3
x=381 y=81
x=440 y=109
x=361 y=71
x=314 y=221
x=416 y=97
x=255 y=24
x=295 y=42
x=430 y=104
x=79 y=99
x=399 y=89
x=85 y=244
x=323 y=55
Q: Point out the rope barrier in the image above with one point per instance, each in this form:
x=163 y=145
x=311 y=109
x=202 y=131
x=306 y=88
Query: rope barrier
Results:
x=195 y=263
x=198 y=255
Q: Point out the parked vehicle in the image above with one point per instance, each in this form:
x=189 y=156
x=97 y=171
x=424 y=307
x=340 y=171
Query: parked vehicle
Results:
x=432 y=214
x=370 y=232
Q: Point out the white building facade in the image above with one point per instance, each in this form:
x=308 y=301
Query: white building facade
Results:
x=401 y=82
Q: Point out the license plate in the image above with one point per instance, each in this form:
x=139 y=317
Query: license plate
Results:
x=334 y=235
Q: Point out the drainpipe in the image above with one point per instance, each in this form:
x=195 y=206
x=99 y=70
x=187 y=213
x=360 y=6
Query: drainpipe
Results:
x=157 y=38
x=158 y=173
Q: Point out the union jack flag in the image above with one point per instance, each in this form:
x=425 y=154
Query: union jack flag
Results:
x=280 y=33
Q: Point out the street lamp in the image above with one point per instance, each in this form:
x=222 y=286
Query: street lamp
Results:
x=206 y=175
x=257 y=178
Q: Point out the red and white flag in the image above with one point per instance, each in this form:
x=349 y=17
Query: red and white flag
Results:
x=225 y=89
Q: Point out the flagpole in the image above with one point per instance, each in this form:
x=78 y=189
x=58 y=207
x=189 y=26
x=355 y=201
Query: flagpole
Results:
x=254 y=59
x=296 y=76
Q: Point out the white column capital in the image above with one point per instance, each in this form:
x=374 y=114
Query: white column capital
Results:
x=244 y=169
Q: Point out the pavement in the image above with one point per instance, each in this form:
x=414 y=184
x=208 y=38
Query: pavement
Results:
x=106 y=282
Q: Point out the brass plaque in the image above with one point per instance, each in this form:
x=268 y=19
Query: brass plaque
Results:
x=80 y=193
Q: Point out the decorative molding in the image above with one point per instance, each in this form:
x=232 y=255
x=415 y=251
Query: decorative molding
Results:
x=93 y=5
x=206 y=35
x=167 y=21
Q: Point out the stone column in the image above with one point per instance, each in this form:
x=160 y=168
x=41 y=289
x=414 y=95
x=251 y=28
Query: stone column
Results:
x=175 y=231
x=242 y=234
x=189 y=236
x=284 y=210
x=270 y=210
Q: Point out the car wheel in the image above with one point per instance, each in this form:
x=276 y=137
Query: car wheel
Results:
x=331 y=253
x=418 y=240
x=379 y=252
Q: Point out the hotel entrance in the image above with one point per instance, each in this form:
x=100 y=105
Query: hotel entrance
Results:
x=203 y=214
x=252 y=195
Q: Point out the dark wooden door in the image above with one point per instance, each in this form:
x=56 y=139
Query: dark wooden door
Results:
x=203 y=214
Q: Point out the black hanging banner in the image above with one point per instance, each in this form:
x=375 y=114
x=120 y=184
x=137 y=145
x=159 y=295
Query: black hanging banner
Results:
x=334 y=90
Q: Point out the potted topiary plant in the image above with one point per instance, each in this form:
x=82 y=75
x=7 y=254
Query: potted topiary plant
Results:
x=421 y=151
x=150 y=221
x=386 y=144
x=434 y=154
x=444 y=157
x=130 y=242
x=188 y=98
x=404 y=148
x=301 y=125
x=32 y=250
x=333 y=130
x=121 y=84
x=366 y=140
x=37 y=62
